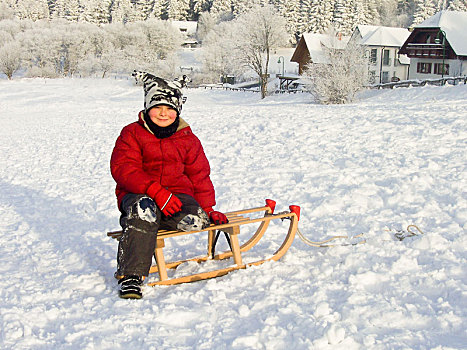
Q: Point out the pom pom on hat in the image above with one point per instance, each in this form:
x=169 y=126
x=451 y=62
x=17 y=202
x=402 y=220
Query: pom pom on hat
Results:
x=158 y=91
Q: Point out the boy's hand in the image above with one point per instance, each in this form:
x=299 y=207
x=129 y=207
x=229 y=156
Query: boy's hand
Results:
x=216 y=217
x=167 y=202
x=172 y=205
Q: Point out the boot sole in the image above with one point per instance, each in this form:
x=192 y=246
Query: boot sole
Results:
x=130 y=296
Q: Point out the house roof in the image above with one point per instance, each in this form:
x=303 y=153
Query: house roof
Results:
x=382 y=36
x=454 y=24
x=189 y=27
x=315 y=42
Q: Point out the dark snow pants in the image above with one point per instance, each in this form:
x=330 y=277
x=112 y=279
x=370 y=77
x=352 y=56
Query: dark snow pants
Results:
x=141 y=219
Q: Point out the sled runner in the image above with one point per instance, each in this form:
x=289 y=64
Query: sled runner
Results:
x=232 y=229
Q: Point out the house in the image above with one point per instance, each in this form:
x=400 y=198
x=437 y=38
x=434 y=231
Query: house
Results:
x=310 y=48
x=382 y=49
x=188 y=30
x=437 y=47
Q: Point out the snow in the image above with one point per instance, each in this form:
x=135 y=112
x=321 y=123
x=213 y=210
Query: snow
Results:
x=395 y=158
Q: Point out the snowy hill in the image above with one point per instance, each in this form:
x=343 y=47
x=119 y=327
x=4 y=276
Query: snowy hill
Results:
x=392 y=159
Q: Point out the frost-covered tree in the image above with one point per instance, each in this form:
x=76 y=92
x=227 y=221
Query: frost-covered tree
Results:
x=41 y=45
x=343 y=75
x=206 y=23
x=218 y=55
x=6 y=11
x=100 y=54
x=11 y=27
x=146 y=45
x=10 y=58
x=259 y=31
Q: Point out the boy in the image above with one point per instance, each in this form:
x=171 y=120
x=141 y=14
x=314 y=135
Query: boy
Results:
x=162 y=177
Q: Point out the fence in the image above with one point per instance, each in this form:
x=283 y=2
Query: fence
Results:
x=220 y=87
x=417 y=83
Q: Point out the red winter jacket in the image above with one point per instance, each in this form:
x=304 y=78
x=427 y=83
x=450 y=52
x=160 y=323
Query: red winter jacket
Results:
x=140 y=162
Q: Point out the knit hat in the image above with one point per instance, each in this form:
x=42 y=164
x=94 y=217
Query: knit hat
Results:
x=158 y=91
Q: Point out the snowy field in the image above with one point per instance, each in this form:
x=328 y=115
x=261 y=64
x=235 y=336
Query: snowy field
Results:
x=393 y=159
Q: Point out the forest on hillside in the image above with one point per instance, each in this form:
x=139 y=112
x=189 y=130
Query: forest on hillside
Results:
x=301 y=15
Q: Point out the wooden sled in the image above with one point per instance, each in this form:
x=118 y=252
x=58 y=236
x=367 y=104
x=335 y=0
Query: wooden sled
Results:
x=236 y=219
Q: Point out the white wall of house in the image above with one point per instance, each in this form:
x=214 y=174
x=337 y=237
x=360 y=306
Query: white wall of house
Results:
x=423 y=68
x=384 y=64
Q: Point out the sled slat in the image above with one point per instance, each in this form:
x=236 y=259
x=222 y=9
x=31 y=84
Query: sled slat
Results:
x=236 y=219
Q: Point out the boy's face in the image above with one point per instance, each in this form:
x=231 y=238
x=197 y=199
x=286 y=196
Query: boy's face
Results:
x=162 y=115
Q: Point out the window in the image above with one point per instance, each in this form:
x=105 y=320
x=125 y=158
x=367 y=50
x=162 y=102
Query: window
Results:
x=424 y=68
x=396 y=58
x=385 y=77
x=373 y=55
x=386 y=58
x=372 y=77
x=438 y=67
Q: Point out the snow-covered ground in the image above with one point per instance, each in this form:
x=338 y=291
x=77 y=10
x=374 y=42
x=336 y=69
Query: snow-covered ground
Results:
x=392 y=159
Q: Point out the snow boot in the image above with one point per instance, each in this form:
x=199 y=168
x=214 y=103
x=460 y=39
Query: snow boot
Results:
x=130 y=287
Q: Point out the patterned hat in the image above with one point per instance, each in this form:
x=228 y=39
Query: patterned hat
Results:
x=158 y=91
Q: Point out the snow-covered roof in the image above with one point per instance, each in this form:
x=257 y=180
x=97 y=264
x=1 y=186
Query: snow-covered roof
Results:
x=454 y=24
x=187 y=27
x=382 y=36
x=315 y=43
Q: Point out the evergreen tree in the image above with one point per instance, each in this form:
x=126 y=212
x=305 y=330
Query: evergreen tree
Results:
x=72 y=10
x=97 y=11
x=142 y=9
x=320 y=16
x=423 y=10
x=32 y=9
x=240 y=7
x=343 y=16
x=291 y=15
x=457 y=5
x=371 y=12
x=157 y=9
x=122 y=11
x=221 y=7
x=178 y=9
x=200 y=6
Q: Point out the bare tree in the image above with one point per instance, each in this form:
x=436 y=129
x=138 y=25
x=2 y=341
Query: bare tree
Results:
x=338 y=80
x=259 y=31
x=10 y=58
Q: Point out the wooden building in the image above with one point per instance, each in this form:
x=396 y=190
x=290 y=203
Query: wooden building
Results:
x=310 y=49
